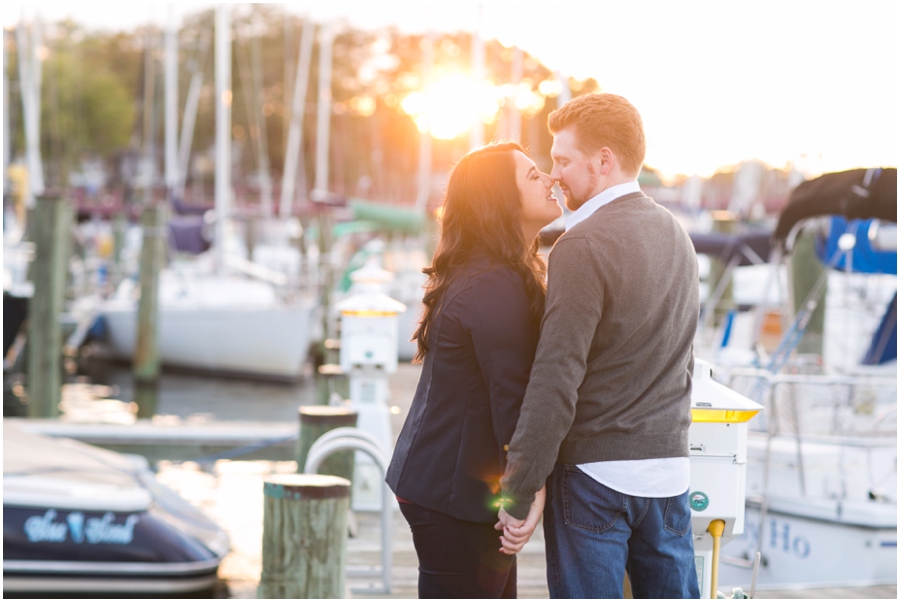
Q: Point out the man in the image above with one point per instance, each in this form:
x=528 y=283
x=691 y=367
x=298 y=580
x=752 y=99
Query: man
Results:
x=607 y=409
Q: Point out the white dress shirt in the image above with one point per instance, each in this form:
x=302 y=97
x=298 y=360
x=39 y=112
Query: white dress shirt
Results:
x=657 y=477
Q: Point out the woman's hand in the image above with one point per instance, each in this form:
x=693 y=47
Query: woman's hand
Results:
x=516 y=533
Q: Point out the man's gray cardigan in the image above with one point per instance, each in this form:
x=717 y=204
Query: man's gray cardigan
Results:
x=612 y=376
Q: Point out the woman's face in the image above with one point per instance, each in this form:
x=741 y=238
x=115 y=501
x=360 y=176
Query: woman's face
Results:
x=539 y=206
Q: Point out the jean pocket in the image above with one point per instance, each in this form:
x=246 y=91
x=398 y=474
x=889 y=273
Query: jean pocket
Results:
x=415 y=515
x=588 y=504
x=677 y=519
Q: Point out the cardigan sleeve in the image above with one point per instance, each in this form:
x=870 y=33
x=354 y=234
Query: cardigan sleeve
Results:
x=504 y=337
x=573 y=310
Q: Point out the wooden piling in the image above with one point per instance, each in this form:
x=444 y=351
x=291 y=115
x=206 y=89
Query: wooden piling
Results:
x=325 y=382
x=805 y=272
x=330 y=379
x=304 y=548
x=50 y=226
x=724 y=222
x=153 y=252
x=120 y=228
x=315 y=421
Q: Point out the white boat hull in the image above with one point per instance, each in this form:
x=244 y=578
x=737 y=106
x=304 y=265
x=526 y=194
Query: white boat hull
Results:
x=270 y=342
x=802 y=552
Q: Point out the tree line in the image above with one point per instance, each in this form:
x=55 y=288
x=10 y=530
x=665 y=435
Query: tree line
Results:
x=102 y=98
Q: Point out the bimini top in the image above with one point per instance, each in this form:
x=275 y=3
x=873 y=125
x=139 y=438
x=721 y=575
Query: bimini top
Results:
x=854 y=194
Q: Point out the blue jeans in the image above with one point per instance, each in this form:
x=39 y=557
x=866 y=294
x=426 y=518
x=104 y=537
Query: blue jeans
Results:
x=594 y=534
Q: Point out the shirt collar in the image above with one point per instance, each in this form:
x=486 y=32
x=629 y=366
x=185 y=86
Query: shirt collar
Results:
x=604 y=198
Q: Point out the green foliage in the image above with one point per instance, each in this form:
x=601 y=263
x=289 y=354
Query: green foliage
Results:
x=93 y=91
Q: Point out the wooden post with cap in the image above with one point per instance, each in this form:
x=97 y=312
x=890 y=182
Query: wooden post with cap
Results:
x=315 y=421
x=304 y=551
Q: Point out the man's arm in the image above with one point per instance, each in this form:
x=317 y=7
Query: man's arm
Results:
x=573 y=310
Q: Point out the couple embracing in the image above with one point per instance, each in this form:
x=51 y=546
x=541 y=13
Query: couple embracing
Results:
x=570 y=398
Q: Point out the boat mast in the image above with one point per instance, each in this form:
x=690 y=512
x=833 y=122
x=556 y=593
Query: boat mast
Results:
x=476 y=136
x=323 y=116
x=190 y=113
x=565 y=92
x=425 y=137
x=7 y=124
x=262 y=147
x=295 y=133
x=171 y=108
x=30 y=78
x=515 y=117
x=223 y=128
x=147 y=170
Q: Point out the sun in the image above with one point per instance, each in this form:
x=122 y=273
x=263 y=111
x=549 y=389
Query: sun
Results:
x=449 y=106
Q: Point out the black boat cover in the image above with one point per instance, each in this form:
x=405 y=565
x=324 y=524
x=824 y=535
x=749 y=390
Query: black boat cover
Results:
x=846 y=193
x=748 y=245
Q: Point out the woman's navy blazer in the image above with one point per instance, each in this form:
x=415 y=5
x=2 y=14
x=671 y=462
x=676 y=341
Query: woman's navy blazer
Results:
x=452 y=449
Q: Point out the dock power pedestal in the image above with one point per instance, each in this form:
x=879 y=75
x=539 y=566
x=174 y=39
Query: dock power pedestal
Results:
x=368 y=357
x=718 y=451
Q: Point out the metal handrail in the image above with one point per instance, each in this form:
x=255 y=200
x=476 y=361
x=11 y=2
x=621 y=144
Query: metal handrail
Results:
x=357 y=440
x=347 y=431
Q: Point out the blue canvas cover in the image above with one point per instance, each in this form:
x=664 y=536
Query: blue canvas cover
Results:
x=864 y=259
x=884 y=342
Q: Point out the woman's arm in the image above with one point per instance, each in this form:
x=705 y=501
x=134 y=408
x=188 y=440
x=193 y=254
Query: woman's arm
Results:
x=504 y=337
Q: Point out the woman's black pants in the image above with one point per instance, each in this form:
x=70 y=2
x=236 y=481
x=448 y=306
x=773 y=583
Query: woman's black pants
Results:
x=459 y=559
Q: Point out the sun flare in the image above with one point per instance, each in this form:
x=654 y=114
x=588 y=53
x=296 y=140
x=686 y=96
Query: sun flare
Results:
x=448 y=107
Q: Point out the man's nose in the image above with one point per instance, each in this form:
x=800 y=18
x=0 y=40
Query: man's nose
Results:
x=555 y=174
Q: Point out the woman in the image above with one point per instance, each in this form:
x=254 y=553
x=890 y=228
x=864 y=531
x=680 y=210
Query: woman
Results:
x=483 y=305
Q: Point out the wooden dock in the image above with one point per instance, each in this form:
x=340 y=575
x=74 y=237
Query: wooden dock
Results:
x=171 y=439
x=232 y=494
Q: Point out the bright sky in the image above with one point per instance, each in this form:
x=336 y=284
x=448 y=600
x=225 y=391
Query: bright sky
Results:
x=814 y=83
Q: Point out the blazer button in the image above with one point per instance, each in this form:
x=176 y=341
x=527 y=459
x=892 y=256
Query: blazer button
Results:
x=505 y=448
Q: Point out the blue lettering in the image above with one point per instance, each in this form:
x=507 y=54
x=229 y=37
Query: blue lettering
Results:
x=76 y=526
x=102 y=530
x=801 y=547
x=785 y=536
x=42 y=528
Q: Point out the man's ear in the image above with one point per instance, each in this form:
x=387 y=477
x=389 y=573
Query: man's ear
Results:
x=605 y=159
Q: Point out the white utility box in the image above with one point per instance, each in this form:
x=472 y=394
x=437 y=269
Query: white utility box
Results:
x=368 y=357
x=718 y=451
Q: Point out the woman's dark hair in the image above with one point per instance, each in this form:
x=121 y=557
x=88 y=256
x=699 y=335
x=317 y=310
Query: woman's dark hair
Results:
x=481 y=215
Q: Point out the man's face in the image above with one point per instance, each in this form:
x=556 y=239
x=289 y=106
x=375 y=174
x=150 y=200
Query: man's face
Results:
x=573 y=169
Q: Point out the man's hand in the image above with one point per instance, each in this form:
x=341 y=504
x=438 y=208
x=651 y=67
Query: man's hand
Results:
x=516 y=532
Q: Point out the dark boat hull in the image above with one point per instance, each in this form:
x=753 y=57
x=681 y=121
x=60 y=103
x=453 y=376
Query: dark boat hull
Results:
x=50 y=550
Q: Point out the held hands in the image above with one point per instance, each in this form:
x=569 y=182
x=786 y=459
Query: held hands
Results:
x=516 y=533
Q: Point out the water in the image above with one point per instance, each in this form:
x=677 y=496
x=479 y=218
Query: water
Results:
x=191 y=396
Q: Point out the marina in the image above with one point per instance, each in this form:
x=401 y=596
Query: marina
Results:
x=230 y=492
x=210 y=294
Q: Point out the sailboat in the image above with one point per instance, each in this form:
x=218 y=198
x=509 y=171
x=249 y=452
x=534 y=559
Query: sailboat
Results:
x=822 y=459
x=221 y=312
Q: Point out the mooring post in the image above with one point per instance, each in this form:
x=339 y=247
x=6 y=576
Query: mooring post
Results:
x=325 y=242
x=153 y=249
x=315 y=421
x=120 y=228
x=724 y=222
x=50 y=227
x=304 y=551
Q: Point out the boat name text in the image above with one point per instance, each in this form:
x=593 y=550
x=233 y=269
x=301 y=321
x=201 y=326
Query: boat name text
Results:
x=93 y=530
